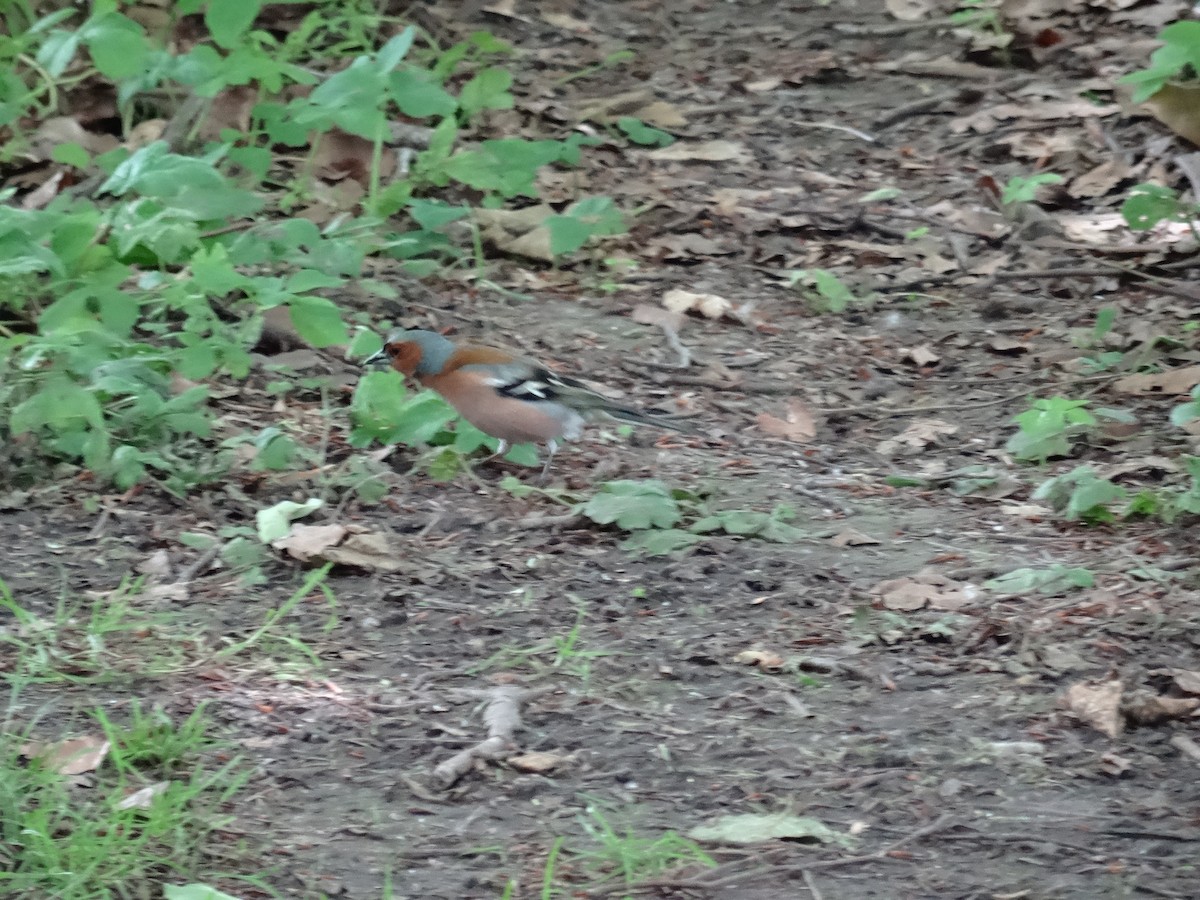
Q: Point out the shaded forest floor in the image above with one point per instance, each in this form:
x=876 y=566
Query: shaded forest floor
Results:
x=919 y=720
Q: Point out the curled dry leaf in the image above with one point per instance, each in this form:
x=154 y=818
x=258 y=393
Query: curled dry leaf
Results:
x=850 y=537
x=916 y=437
x=1173 y=381
x=909 y=10
x=797 y=424
x=69 y=757
x=711 y=306
x=708 y=151
x=1098 y=705
x=305 y=542
x=143 y=798
x=922 y=356
x=764 y=659
x=925 y=588
x=537 y=762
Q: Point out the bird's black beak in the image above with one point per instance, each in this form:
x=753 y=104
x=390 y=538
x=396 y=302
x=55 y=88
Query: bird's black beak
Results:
x=378 y=358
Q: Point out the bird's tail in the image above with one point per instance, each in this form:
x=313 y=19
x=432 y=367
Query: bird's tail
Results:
x=638 y=417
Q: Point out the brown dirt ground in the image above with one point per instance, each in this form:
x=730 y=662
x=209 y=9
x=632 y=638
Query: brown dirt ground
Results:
x=933 y=735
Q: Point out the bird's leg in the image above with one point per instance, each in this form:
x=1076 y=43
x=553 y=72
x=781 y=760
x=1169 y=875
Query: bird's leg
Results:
x=551 y=446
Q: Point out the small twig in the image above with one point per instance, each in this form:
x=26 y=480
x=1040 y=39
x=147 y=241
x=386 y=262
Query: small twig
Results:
x=861 y=135
x=502 y=715
x=811 y=884
x=186 y=576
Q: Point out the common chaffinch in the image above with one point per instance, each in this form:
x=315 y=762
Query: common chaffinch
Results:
x=513 y=399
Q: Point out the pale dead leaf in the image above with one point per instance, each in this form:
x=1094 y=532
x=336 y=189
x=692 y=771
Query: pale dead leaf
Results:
x=921 y=356
x=609 y=109
x=1114 y=764
x=708 y=151
x=566 y=22
x=1097 y=705
x=1100 y=181
x=763 y=85
x=538 y=762
x=1029 y=511
x=797 y=424
x=1186 y=680
x=145 y=133
x=506 y=8
x=711 y=306
x=305 y=542
x=166 y=593
x=156 y=565
x=40 y=198
x=850 y=537
x=909 y=10
x=372 y=551
x=916 y=437
x=1007 y=346
x=661 y=114
x=925 y=588
x=1173 y=381
x=764 y=659
x=337 y=156
x=69 y=757
x=143 y=798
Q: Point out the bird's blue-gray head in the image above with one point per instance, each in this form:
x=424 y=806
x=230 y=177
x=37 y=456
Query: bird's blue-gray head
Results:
x=415 y=352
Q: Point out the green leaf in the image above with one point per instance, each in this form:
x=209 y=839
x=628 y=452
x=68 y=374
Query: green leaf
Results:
x=1055 y=579
x=633 y=505
x=393 y=52
x=276 y=521
x=418 y=96
x=641 y=133
x=194 y=892
x=117 y=45
x=1149 y=204
x=660 y=541
x=229 y=20
x=434 y=214
x=318 y=321
x=487 y=90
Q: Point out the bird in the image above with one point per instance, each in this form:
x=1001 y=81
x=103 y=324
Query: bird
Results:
x=513 y=399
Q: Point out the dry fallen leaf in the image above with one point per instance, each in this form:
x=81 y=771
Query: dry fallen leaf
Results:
x=926 y=588
x=909 y=10
x=143 y=798
x=1098 y=705
x=764 y=659
x=372 y=551
x=69 y=757
x=537 y=761
x=916 y=437
x=850 y=537
x=921 y=356
x=708 y=151
x=1173 y=381
x=797 y=424
x=304 y=542
x=711 y=306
